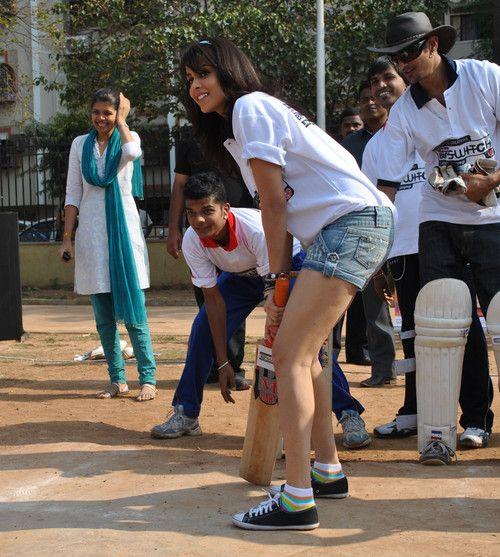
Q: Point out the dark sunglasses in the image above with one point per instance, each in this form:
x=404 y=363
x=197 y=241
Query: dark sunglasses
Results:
x=410 y=53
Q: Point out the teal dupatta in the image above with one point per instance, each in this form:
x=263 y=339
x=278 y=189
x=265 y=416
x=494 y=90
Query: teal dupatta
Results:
x=128 y=301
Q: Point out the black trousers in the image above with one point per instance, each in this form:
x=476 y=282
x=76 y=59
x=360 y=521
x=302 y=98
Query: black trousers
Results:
x=355 y=334
x=376 y=328
x=405 y=272
x=445 y=250
x=236 y=344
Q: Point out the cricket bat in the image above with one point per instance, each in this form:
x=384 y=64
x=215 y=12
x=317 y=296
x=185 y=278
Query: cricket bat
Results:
x=262 y=435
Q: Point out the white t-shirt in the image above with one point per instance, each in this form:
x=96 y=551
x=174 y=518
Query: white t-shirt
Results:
x=322 y=181
x=245 y=253
x=466 y=129
x=408 y=196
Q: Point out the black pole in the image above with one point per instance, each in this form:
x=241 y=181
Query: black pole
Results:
x=11 y=318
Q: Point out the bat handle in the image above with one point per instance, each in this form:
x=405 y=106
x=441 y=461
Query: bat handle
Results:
x=280 y=296
x=281 y=290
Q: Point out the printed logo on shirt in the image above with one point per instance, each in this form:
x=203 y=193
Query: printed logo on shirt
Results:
x=415 y=176
x=457 y=151
x=289 y=191
x=300 y=117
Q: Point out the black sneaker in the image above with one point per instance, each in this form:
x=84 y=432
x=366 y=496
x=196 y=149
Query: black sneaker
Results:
x=269 y=515
x=436 y=454
x=338 y=489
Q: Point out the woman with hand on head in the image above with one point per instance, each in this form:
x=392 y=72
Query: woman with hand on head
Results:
x=111 y=262
x=311 y=188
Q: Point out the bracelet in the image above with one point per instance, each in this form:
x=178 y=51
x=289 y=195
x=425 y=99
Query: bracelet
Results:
x=223 y=365
x=123 y=124
x=274 y=276
x=67 y=235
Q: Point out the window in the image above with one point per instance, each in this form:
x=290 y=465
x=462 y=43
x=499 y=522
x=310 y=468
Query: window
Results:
x=7 y=84
x=467 y=26
x=7 y=152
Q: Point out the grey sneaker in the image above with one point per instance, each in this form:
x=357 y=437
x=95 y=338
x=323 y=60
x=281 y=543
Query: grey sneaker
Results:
x=437 y=453
x=354 y=434
x=177 y=425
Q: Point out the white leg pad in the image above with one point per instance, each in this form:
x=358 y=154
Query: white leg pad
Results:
x=442 y=319
x=493 y=323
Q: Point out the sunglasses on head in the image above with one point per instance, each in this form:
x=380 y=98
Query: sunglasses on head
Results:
x=410 y=53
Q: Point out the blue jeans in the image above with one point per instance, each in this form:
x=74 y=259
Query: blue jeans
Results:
x=353 y=247
x=241 y=296
x=102 y=304
x=341 y=395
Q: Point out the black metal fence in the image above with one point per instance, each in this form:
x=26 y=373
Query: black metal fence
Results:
x=33 y=181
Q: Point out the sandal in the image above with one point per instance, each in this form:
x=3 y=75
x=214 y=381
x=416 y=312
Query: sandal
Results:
x=148 y=392
x=113 y=390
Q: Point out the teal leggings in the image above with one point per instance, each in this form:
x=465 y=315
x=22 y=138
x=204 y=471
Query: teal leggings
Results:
x=102 y=304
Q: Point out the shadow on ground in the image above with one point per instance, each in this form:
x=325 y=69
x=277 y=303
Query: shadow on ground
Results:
x=210 y=506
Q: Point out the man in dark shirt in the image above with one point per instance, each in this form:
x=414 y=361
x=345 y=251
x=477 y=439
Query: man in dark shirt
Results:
x=379 y=327
x=188 y=161
x=350 y=121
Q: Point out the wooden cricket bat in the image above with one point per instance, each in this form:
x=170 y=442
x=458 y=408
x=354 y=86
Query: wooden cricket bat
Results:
x=263 y=434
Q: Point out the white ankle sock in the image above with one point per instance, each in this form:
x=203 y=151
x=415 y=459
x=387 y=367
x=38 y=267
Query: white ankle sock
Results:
x=330 y=468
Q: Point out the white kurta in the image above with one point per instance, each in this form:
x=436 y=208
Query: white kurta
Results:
x=91 y=241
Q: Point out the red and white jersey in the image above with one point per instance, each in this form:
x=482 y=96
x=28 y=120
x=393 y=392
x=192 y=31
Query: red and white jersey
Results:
x=245 y=253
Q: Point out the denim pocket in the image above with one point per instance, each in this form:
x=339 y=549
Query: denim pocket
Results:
x=371 y=251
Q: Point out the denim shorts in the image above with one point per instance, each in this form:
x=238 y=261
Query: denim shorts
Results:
x=353 y=247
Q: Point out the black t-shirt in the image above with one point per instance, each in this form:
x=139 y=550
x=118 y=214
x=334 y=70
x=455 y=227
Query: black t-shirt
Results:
x=189 y=160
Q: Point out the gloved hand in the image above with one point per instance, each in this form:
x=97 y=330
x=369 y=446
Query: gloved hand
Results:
x=484 y=167
x=447 y=181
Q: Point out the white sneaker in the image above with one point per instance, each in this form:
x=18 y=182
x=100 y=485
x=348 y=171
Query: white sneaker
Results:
x=474 y=438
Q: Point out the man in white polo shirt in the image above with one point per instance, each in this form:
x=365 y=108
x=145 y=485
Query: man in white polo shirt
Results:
x=232 y=240
x=387 y=85
x=449 y=115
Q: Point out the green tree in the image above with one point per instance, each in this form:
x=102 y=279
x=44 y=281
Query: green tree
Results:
x=135 y=45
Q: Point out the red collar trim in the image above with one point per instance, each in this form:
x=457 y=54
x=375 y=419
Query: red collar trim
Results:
x=233 y=241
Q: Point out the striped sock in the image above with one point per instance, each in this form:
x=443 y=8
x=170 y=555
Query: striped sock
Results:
x=325 y=473
x=294 y=499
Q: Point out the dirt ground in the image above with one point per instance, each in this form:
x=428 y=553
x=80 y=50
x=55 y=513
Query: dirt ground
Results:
x=81 y=476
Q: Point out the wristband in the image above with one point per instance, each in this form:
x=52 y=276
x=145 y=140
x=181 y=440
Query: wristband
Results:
x=223 y=365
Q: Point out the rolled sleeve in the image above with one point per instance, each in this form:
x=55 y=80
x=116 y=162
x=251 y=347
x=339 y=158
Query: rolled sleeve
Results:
x=264 y=151
x=261 y=131
x=74 y=180
x=204 y=282
x=132 y=149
